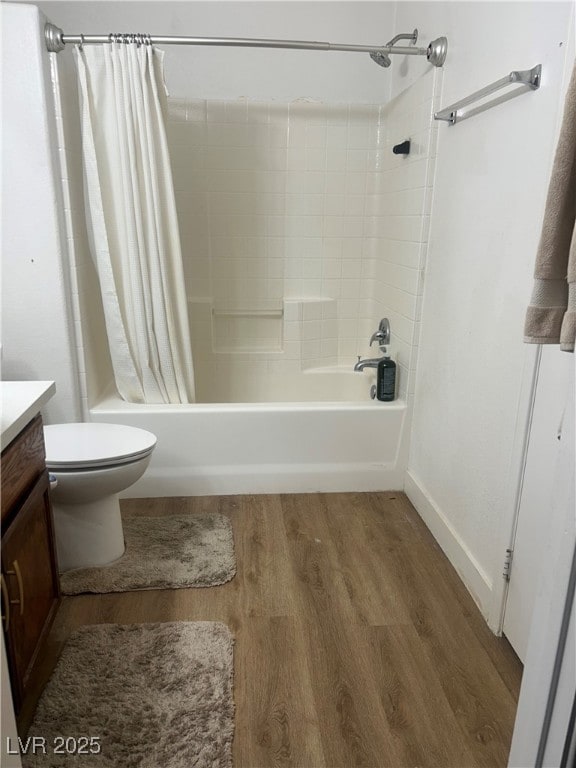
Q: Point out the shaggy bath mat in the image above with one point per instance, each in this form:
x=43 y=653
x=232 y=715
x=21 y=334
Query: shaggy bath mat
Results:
x=148 y=695
x=163 y=553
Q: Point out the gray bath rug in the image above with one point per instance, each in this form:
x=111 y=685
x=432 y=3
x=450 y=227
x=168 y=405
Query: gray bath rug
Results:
x=169 y=552
x=148 y=695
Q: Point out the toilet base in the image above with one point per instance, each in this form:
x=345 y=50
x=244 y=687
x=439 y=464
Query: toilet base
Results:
x=88 y=535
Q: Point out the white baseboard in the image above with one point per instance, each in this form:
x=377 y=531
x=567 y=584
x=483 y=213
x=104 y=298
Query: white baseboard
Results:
x=271 y=478
x=472 y=574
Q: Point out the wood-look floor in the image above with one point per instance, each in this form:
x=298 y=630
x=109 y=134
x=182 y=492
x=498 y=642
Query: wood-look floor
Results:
x=356 y=642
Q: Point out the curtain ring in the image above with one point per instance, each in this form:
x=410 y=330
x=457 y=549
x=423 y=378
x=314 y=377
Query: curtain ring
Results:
x=81 y=46
x=148 y=40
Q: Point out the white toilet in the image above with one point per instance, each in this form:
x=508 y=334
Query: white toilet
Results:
x=92 y=463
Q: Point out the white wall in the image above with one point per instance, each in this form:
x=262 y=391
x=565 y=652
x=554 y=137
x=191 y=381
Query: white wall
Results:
x=489 y=192
x=37 y=329
x=230 y=73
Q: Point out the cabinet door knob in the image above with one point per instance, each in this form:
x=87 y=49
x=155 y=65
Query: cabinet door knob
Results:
x=16 y=572
x=6 y=599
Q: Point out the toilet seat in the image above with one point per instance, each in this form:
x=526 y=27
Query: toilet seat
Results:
x=95 y=446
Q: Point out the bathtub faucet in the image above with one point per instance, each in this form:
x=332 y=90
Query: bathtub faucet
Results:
x=370 y=362
x=382 y=336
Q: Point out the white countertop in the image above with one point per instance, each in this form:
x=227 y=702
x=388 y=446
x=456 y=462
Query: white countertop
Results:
x=20 y=401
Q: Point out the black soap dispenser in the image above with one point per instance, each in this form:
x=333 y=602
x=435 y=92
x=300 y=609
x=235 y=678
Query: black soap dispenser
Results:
x=386 y=379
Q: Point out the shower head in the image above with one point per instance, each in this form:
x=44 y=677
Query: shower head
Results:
x=382 y=59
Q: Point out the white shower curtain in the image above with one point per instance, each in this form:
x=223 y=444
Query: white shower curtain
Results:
x=132 y=223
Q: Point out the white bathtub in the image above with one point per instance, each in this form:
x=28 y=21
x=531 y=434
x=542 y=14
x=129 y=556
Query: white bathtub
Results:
x=347 y=443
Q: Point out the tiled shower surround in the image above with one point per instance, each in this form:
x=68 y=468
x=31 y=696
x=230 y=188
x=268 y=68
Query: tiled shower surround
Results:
x=300 y=229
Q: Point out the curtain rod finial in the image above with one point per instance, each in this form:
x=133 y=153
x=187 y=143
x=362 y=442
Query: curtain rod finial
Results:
x=437 y=50
x=53 y=37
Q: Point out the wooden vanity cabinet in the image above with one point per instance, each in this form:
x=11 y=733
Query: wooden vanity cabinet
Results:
x=30 y=583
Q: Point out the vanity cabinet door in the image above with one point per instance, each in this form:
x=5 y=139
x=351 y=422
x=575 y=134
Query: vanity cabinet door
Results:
x=30 y=589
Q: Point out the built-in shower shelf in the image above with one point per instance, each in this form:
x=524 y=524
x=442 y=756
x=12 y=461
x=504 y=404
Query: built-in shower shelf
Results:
x=246 y=350
x=238 y=329
x=274 y=313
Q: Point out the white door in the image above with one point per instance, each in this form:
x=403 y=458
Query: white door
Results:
x=549 y=680
x=555 y=381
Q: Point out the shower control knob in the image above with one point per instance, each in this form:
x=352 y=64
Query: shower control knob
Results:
x=373 y=392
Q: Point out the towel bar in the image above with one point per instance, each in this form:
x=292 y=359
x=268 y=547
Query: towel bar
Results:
x=529 y=79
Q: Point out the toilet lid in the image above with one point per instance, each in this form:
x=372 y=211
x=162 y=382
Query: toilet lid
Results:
x=95 y=445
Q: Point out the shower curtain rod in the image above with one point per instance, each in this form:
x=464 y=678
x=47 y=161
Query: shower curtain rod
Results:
x=56 y=41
